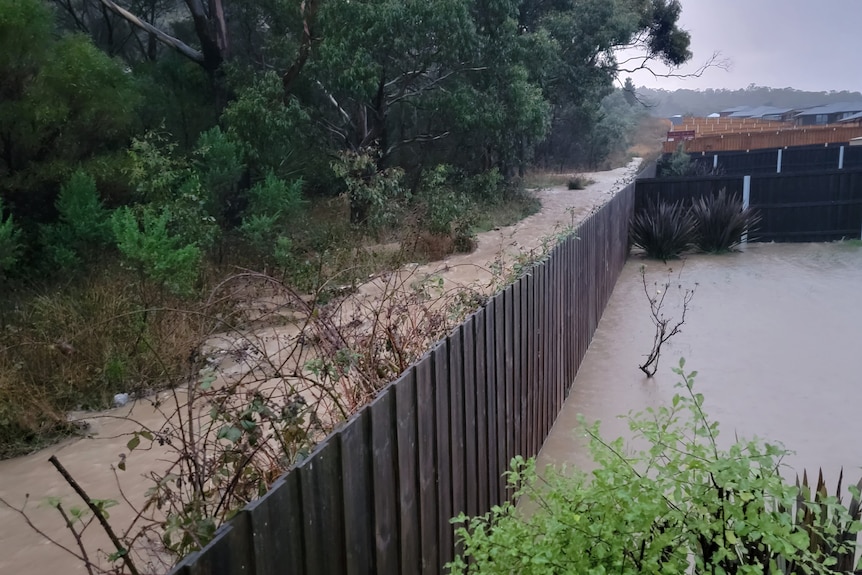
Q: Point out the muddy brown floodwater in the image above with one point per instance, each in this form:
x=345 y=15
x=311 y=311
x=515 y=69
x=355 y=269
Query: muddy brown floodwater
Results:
x=775 y=334
x=90 y=460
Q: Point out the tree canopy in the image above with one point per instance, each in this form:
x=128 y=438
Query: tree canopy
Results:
x=475 y=85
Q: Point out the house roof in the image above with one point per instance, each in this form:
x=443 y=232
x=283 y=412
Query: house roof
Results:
x=837 y=108
x=734 y=109
x=760 y=111
x=853 y=118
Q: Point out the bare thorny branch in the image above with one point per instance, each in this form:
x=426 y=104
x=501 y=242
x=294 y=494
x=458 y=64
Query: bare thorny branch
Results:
x=665 y=327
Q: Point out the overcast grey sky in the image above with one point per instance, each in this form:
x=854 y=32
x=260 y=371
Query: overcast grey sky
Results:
x=805 y=44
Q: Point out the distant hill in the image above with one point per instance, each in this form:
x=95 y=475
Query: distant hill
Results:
x=665 y=103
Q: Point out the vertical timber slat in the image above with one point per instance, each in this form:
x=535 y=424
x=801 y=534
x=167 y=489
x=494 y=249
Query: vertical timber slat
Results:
x=408 y=478
x=444 y=463
x=482 y=473
x=429 y=502
x=320 y=480
x=277 y=527
x=471 y=376
x=385 y=475
x=356 y=460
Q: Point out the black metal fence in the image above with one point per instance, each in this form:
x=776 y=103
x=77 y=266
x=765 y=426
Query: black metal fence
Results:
x=377 y=495
x=778 y=160
x=810 y=207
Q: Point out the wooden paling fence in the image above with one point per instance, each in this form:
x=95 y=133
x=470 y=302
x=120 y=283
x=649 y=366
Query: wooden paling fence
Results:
x=377 y=495
x=808 y=207
x=799 y=136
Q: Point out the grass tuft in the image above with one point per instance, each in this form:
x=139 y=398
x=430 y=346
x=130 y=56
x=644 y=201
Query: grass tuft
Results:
x=721 y=220
x=663 y=230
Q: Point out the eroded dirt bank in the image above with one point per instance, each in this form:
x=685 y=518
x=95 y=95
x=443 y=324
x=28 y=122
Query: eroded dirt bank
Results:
x=89 y=460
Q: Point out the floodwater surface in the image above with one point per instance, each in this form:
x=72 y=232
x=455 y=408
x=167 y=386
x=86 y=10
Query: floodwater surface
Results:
x=775 y=334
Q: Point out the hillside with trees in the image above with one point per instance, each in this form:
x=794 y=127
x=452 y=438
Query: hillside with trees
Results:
x=149 y=147
x=667 y=103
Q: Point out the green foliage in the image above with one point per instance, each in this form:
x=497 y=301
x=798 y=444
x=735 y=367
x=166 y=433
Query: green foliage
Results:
x=273 y=205
x=169 y=183
x=449 y=211
x=144 y=236
x=273 y=130
x=376 y=195
x=683 y=504
x=663 y=230
x=63 y=103
x=220 y=167
x=678 y=164
x=82 y=225
x=10 y=242
x=721 y=220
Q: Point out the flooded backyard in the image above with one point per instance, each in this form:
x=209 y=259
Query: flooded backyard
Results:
x=774 y=334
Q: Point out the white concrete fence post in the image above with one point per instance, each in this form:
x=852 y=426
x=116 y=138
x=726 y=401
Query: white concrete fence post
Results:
x=778 y=165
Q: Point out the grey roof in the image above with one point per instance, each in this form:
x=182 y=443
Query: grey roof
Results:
x=734 y=109
x=761 y=111
x=837 y=108
x=853 y=118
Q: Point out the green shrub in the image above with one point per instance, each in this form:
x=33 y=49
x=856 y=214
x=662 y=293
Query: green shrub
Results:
x=578 y=183
x=678 y=164
x=82 y=224
x=376 y=196
x=144 y=237
x=681 y=505
x=276 y=134
x=219 y=165
x=721 y=220
x=273 y=204
x=449 y=210
x=663 y=230
x=10 y=242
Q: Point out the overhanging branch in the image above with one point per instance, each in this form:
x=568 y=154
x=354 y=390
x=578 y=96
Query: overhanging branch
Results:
x=165 y=39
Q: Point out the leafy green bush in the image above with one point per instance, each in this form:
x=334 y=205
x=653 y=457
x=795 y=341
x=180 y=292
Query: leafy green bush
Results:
x=376 y=196
x=449 y=210
x=170 y=184
x=220 y=167
x=275 y=134
x=63 y=103
x=145 y=238
x=678 y=164
x=273 y=204
x=721 y=220
x=10 y=242
x=681 y=505
x=663 y=230
x=82 y=224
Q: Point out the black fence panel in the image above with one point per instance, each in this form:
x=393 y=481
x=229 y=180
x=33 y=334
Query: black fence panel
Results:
x=803 y=159
x=807 y=207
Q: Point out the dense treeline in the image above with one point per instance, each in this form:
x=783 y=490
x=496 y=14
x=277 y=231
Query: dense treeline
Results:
x=146 y=144
x=666 y=103
x=159 y=102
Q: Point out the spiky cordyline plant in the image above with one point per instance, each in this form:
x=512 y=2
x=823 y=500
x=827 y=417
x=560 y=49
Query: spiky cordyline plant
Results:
x=663 y=230
x=721 y=220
